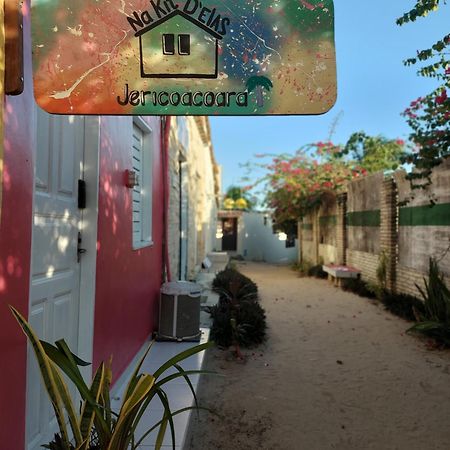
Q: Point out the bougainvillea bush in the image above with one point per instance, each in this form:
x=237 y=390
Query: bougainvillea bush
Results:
x=296 y=184
x=429 y=115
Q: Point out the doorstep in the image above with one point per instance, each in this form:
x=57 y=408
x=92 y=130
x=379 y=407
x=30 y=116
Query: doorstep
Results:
x=178 y=391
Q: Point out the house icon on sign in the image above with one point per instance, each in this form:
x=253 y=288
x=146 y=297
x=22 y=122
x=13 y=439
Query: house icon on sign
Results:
x=178 y=46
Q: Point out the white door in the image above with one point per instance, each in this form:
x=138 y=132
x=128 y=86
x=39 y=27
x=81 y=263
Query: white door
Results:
x=55 y=279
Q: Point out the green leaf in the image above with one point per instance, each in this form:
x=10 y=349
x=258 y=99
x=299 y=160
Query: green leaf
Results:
x=121 y=435
x=168 y=414
x=62 y=357
x=182 y=356
x=188 y=381
x=88 y=412
x=47 y=375
x=134 y=377
x=68 y=404
x=179 y=411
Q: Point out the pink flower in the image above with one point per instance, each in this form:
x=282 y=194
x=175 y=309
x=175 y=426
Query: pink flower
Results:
x=400 y=142
x=440 y=99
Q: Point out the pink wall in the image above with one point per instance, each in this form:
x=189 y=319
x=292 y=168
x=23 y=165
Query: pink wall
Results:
x=128 y=280
x=15 y=253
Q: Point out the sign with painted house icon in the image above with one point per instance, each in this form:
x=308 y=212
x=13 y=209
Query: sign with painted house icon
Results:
x=204 y=57
x=179 y=46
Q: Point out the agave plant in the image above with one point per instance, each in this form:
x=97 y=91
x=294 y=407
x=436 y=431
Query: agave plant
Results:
x=96 y=426
x=435 y=320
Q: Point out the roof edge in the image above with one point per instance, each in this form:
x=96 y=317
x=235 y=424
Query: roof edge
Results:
x=174 y=13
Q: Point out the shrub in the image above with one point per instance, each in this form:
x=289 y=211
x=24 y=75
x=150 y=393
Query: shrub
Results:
x=238 y=318
x=434 y=321
x=359 y=287
x=302 y=267
x=223 y=279
x=250 y=325
x=402 y=305
x=317 y=272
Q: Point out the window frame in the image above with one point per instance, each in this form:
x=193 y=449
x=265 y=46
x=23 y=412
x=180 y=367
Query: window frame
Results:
x=165 y=52
x=145 y=185
x=179 y=44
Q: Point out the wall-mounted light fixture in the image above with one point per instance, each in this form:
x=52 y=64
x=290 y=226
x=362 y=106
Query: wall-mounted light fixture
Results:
x=282 y=236
x=131 y=179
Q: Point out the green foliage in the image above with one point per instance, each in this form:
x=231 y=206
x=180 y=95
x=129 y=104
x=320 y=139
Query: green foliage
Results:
x=317 y=272
x=402 y=305
x=296 y=184
x=238 y=318
x=359 y=287
x=374 y=153
x=236 y=193
x=303 y=267
x=429 y=116
x=434 y=321
x=94 y=425
x=420 y=9
x=381 y=271
x=250 y=327
x=221 y=283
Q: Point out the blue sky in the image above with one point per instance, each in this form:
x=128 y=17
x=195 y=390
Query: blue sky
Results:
x=373 y=86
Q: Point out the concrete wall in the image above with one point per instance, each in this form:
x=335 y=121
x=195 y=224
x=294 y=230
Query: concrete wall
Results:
x=307 y=235
x=383 y=218
x=319 y=233
x=363 y=221
x=326 y=230
x=423 y=227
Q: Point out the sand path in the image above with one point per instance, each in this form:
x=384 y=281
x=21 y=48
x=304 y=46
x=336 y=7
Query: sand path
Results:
x=338 y=372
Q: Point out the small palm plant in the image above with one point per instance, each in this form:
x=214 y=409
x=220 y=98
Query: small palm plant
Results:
x=96 y=426
x=257 y=83
x=435 y=321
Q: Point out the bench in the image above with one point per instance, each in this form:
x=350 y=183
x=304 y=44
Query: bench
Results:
x=336 y=273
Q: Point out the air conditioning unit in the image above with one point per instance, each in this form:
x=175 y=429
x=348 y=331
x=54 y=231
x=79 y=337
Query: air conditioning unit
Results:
x=179 y=311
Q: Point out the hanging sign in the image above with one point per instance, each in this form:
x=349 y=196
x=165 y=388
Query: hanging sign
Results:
x=206 y=57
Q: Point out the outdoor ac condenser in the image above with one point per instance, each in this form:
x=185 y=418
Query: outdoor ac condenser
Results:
x=179 y=311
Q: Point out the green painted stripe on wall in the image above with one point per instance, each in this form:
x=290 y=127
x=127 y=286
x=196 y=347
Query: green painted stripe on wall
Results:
x=364 y=218
x=307 y=226
x=328 y=220
x=423 y=216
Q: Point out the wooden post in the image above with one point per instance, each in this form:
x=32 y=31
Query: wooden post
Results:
x=13 y=20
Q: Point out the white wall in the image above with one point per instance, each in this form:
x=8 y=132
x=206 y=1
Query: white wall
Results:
x=256 y=241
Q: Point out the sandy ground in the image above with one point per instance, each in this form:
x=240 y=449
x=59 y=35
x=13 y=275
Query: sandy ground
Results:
x=338 y=372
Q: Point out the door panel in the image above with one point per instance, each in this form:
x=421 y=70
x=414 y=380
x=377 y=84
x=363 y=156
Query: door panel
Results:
x=229 y=239
x=55 y=280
